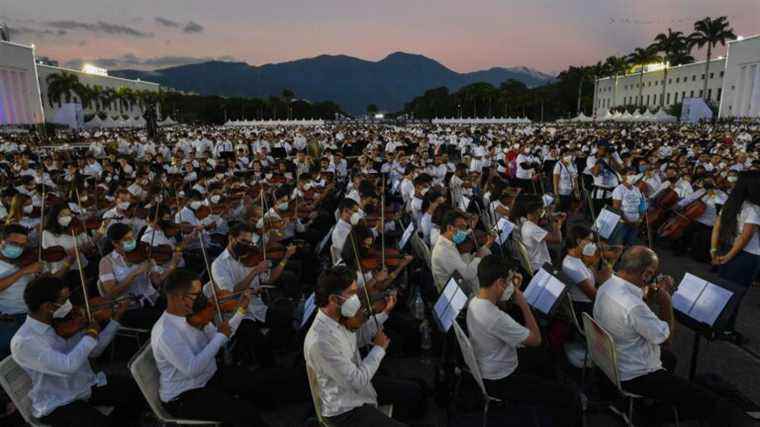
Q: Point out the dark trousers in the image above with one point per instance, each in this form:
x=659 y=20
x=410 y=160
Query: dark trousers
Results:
x=121 y=393
x=250 y=339
x=365 y=416
x=742 y=270
x=143 y=317
x=407 y=396
x=217 y=401
x=692 y=401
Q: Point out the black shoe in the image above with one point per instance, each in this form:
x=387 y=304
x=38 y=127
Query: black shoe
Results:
x=737 y=338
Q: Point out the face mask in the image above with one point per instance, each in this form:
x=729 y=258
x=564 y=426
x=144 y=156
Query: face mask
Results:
x=508 y=291
x=64 y=221
x=63 y=310
x=459 y=237
x=28 y=209
x=643 y=168
x=567 y=159
x=195 y=205
x=283 y=206
x=12 y=251
x=424 y=191
x=589 y=250
x=355 y=218
x=200 y=303
x=123 y=206
x=732 y=179
x=129 y=245
x=351 y=306
x=630 y=179
x=216 y=198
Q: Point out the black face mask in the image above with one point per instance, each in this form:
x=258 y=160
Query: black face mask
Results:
x=241 y=249
x=709 y=185
x=165 y=223
x=200 y=303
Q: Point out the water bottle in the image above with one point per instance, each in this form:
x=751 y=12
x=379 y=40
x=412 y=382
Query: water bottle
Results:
x=426 y=341
x=418 y=307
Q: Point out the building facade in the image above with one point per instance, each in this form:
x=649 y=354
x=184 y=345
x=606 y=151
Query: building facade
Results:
x=733 y=84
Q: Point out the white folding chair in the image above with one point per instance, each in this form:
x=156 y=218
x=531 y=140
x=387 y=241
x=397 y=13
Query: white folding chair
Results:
x=144 y=371
x=421 y=249
x=521 y=251
x=316 y=399
x=472 y=366
x=17 y=385
x=601 y=348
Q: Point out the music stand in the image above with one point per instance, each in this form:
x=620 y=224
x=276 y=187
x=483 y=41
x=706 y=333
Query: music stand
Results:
x=606 y=223
x=449 y=304
x=546 y=289
x=309 y=307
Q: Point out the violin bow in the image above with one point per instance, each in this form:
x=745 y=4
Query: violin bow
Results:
x=214 y=295
x=263 y=225
x=382 y=221
x=84 y=227
x=42 y=224
x=364 y=279
x=155 y=224
x=88 y=310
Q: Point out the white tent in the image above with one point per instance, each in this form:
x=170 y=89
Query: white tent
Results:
x=108 y=122
x=582 y=118
x=664 y=117
x=138 y=122
x=647 y=116
x=94 y=123
x=167 y=122
x=626 y=116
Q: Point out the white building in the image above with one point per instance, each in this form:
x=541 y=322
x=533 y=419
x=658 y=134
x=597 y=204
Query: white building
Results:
x=24 y=89
x=733 y=83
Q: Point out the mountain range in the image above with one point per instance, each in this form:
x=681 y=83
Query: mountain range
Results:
x=351 y=82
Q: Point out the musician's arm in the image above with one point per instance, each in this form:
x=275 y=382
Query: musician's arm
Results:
x=555 y=181
x=715 y=238
x=741 y=241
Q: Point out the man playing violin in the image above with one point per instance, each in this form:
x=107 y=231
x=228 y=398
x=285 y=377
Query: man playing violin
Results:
x=65 y=390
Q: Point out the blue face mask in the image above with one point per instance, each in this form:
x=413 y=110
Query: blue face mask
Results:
x=459 y=237
x=643 y=168
x=129 y=245
x=12 y=251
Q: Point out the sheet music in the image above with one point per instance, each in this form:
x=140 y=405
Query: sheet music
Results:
x=533 y=290
x=687 y=293
x=543 y=290
x=405 y=237
x=506 y=227
x=699 y=299
x=308 y=310
x=606 y=222
x=449 y=304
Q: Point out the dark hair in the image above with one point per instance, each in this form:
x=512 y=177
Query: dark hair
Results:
x=239 y=228
x=332 y=281
x=449 y=218
x=346 y=204
x=747 y=189
x=45 y=288
x=13 y=229
x=117 y=231
x=358 y=233
x=429 y=198
x=492 y=268
x=179 y=281
x=575 y=235
x=525 y=205
x=51 y=222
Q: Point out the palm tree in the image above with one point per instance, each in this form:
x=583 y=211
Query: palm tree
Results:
x=640 y=57
x=107 y=97
x=670 y=44
x=616 y=66
x=710 y=32
x=61 y=84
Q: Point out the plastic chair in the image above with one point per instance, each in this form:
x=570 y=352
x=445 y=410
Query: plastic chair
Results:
x=144 y=371
x=317 y=400
x=522 y=256
x=421 y=249
x=601 y=348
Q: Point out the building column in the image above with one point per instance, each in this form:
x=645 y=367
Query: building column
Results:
x=754 y=97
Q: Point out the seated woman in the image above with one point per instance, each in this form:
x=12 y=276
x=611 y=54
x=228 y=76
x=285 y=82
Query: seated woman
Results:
x=584 y=265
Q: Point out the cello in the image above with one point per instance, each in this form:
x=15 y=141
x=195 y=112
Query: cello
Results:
x=674 y=227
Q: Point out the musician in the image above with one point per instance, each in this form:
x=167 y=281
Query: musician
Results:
x=627 y=198
x=190 y=383
x=432 y=201
x=445 y=257
x=65 y=390
x=530 y=211
x=118 y=277
x=496 y=336
x=347 y=395
x=585 y=266
x=602 y=167
x=644 y=368
x=348 y=216
x=230 y=274
x=564 y=178
x=528 y=165
x=59 y=218
x=696 y=237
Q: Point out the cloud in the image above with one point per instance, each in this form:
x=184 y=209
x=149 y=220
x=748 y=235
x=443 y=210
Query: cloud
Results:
x=133 y=61
x=193 y=27
x=99 y=27
x=167 y=22
x=36 y=32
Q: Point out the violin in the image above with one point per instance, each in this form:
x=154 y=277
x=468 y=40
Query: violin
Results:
x=379 y=303
x=393 y=258
x=472 y=243
x=31 y=256
x=102 y=310
x=228 y=303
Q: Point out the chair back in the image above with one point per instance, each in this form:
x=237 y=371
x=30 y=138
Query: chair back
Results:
x=469 y=358
x=17 y=385
x=522 y=255
x=315 y=395
x=421 y=249
x=334 y=255
x=601 y=348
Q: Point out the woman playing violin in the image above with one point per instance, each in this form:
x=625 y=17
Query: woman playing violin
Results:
x=375 y=275
x=584 y=266
x=119 y=277
x=58 y=224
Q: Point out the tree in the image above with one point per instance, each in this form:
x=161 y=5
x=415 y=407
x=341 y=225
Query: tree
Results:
x=61 y=85
x=641 y=57
x=672 y=45
x=288 y=94
x=372 y=109
x=615 y=66
x=709 y=32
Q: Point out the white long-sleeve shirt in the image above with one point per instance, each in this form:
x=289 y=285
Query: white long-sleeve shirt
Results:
x=185 y=355
x=345 y=379
x=59 y=367
x=445 y=260
x=228 y=272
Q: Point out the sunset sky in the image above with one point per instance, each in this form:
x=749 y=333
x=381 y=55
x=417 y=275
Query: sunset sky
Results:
x=463 y=35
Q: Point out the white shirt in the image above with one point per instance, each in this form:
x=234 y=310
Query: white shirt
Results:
x=533 y=237
x=114 y=267
x=228 y=272
x=576 y=270
x=344 y=378
x=445 y=260
x=637 y=332
x=630 y=200
x=59 y=368
x=12 y=297
x=567 y=174
x=525 y=173
x=185 y=355
x=711 y=211
x=750 y=214
x=495 y=336
x=339 y=234
x=66 y=242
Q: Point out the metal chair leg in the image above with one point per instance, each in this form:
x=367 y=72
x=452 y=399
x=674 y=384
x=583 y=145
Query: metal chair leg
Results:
x=485 y=412
x=630 y=412
x=675 y=415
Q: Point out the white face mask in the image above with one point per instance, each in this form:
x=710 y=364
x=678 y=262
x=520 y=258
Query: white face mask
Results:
x=123 y=206
x=732 y=179
x=64 y=221
x=28 y=209
x=351 y=306
x=63 y=310
x=508 y=291
x=216 y=198
x=283 y=206
x=355 y=218
x=589 y=249
x=195 y=205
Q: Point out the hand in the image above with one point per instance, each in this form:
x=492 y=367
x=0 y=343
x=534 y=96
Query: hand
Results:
x=519 y=298
x=176 y=258
x=224 y=328
x=381 y=275
x=381 y=340
x=721 y=259
x=560 y=218
x=93 y=329
x=407 y=259
x=490 y=238
x=262 y=266
x=32 y=269
x=120 y=310
x=290 y=251
x=666 y=284
x=517 y=280
x=390 y=302
x=245 y=299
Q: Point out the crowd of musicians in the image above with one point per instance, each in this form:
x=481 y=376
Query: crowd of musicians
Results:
x=211 y=245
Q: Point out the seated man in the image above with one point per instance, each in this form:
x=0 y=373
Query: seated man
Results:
x=638 y=333
x=331 y=352
x=65 y=390
x=495 y=336
x=445 y=257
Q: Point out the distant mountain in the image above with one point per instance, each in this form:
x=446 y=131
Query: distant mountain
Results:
x=351 y=82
